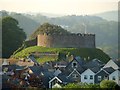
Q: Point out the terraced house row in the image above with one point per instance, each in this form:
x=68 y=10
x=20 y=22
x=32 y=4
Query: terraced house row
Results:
x=60 y=73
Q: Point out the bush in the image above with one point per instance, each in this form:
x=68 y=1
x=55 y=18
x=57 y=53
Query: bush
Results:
x=108 y=84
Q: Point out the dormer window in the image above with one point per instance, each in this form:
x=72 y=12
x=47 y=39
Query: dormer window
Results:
x=74 y=64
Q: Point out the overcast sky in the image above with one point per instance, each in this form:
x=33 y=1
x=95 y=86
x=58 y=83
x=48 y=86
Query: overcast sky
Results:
x=62 y=7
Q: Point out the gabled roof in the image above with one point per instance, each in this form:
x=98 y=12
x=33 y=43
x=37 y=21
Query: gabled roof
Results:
x=107 y=70
x=54 y=79
x=79 y=61
x=117 y=62
x=73 y=72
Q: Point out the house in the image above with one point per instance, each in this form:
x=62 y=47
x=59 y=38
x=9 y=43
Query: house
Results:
x=74 y=69
x=88 y=76
x=58 y=81
x=5 y=62
x=11 y=69
x=115 y=76
x=103 y=74
x=55 y=82
x=113 y=63
x=70 y=73
x=40 y=72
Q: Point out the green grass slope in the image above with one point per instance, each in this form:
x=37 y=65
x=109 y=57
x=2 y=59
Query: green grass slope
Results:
x=82 y=52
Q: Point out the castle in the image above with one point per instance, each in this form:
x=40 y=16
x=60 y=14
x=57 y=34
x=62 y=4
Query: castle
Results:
x=67 y=41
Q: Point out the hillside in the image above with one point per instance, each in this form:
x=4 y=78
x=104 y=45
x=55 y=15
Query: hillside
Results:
x=82 y=52
x=47 y=28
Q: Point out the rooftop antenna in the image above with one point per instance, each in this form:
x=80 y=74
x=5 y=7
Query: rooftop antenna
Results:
x=85 y=26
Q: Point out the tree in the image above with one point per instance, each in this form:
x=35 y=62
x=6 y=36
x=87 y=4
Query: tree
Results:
x=12 y=36
x=108 y=84
x=47 y=28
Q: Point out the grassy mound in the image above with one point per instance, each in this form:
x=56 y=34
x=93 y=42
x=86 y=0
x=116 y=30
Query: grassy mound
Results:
x=82 y=52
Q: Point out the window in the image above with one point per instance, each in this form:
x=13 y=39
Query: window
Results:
x=105 y=77
x=85 y=76
x=75 y=76
x=74 y=64
x=91 y=76
x=99 y=78
x=113 y=78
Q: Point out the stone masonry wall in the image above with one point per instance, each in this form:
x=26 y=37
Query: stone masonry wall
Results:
x=72 y=40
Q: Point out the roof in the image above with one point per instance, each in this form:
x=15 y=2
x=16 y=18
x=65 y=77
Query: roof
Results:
x=37 y=70
x=15 y=67
x=80 y=62
x=56 y=78
x=47 y=76
x=117 y=62
x=63 y=78
x=95 y=69
x=94 y=63
x=109 y=70
x=31 y=57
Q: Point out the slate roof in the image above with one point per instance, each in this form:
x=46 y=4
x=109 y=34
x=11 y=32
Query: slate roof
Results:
x=95 y=69
x=109 y=70
x=31 y=57
x=94 y=63
x=80 y=62
x=47 y=76
x=15 y=67
x=37 y=70
x=63 y=78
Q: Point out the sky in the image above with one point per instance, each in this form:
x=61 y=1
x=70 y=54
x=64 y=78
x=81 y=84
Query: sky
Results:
x=62 y=7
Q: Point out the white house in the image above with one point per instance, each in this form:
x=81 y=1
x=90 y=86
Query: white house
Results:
x=5 y=62
x=115 y=76
x=55 y=82
x=87 y=76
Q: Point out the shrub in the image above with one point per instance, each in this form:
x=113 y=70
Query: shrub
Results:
x=108 y=84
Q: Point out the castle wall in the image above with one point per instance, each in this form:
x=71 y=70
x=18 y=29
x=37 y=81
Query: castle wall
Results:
x=72 y=40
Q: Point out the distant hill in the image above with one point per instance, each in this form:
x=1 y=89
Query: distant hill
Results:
x=110 y=16
x=92 y=53
x=28 y=24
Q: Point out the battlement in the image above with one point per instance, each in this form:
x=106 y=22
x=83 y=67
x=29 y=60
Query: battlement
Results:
x=67 y=40
x=72 y=34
